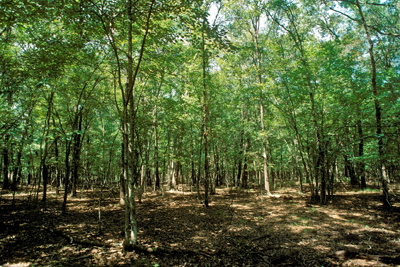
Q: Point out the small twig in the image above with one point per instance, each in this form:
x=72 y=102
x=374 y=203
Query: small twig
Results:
x=261 y=237
x=262 y=257
x=204 y=253
x=81 y=257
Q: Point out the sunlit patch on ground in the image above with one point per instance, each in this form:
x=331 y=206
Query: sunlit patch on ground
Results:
x=20 y=264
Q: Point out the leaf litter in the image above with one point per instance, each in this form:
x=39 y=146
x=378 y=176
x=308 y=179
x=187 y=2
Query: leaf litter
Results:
x=240 y=228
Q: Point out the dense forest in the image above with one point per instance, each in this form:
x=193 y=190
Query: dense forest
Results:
x=133 y=97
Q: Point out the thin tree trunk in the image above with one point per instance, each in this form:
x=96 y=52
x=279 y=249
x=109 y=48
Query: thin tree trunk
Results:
x=217 y=169
x=172 y=184
x=245 y=176
x=17 y=169
x=240 y=159
x=45 y=176
x=122 y=190
x=130 y=211
x=205 y=118
x=6 y=181
x=76 y=151
x=361 y=165
x=156 y=170
x=58 y=176
x=257 y=62
x=155 y=123
x=199 y=172
x=131 y=148
x=299 y=173
x=193 y=170
x=67 y=173
x=384 y=180
x=45 y=171
x=266 y=178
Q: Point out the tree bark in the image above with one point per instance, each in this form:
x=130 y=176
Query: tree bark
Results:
x=45 y=176
x=156 y=169
x=76 y=151
x=378 y=115
x=264 y=147
x=240 y=157
x=205 y=118
x=66 y=179
x=6 y=181
x=122 y=190
x=45 y=171
x=58 y=174
x=131 y=146
x=245 y=176
x=17 y=169
x=172 y=184
x=361 y=165
x=257 y=62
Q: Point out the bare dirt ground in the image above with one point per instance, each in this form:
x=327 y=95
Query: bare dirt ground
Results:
x=240 y=228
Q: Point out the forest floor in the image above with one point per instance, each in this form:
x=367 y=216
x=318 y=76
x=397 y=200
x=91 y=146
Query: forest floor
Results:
x=240 y=228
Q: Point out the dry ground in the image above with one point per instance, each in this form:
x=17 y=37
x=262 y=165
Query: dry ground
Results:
x=240 y=228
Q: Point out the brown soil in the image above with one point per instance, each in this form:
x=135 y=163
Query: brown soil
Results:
x=240 y=228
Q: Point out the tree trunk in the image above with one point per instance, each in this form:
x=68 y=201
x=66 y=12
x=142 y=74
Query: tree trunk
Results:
x=58 y=174
x=172 y=184
x=217 y=168
x=299 y=173
x=17 y=169
x=45 y=176
x=240 y=159
x=205 y=118
x=384 y=180
x=322 y=174
x=156 y=169
x=122 y=190
x=131 y=148
x=239 y=164
x=349 y=171
x=193 y=170
x=199 y=171
x=155 y=123
x=66 y=179
x=266 y=178
x=361 y=165
x=76 y=151
x=6 y=181
x=263 y=133
x=130 y=167
x=245 y=166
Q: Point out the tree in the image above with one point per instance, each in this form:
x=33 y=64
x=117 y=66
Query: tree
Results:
x=361 y=19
